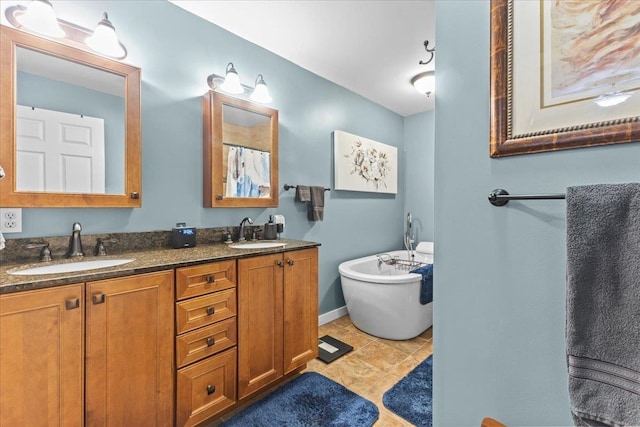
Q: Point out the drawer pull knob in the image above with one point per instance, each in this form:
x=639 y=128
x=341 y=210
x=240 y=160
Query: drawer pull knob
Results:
x=211 y=279
x=280 y=264
x=290 y=262
x=211 y=389
x=210 y=310
x=98 y=299
x=211 y=341
x=72 y=303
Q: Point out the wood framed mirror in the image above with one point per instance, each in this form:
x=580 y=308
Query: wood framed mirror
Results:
x=69 y=126
x=240 y=153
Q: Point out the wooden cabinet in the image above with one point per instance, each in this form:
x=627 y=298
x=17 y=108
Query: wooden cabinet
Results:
x=129 y=349
x=300 y=314
x=206 y=341
x=277 y=316
x=42 y=357
x=97 y=354
x=109 y=352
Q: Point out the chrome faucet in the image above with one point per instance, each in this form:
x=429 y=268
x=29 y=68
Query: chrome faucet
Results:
x=75 y=243
x=241 y=234
x=408 y=236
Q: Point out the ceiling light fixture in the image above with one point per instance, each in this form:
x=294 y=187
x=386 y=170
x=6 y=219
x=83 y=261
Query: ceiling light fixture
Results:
x=425 y=82
x=613 y=98
x=39 y=17
x=231 y=84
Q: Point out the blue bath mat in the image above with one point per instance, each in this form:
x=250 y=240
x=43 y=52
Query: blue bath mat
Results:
x=411 y=397
x=309 y=400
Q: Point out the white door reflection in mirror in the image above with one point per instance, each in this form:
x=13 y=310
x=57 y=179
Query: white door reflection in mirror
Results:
x=60 y=86
x=59 y=152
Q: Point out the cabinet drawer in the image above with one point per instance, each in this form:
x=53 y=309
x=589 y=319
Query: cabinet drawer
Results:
x=206 y=388
x=203 y=279
x=203 y=342
x=201 y=311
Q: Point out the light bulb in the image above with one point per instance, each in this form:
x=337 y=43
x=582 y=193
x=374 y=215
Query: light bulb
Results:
x=104 y=39
x=40 y=18
x=232 y=81
x=261 y=92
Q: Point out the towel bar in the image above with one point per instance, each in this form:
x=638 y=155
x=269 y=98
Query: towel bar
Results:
x=287 y=187
x=500 y=197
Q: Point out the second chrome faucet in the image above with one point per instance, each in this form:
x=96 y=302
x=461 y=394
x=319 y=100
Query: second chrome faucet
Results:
x=75 y=242
x=241 y=237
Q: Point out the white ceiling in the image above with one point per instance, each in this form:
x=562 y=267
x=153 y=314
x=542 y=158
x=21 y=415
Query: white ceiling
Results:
x=370 y=47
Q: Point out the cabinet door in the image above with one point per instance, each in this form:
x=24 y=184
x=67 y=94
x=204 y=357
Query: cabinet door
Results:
x=41 y=357
x=129 y=377
x=259 y=322
x=300 y=308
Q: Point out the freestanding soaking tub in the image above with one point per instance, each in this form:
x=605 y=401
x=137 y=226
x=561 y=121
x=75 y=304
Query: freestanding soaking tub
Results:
x=383 y=299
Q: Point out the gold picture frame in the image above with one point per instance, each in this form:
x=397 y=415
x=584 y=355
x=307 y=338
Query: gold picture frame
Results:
x=520 y=69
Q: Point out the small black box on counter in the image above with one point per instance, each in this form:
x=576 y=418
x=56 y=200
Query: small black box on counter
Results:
x=183 y=237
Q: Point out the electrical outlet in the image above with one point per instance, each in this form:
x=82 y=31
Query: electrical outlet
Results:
x=11 y=220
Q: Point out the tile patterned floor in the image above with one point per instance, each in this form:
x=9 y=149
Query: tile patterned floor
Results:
x=374 y=365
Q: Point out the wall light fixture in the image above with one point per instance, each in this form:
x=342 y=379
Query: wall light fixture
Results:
x=39 y=17
x=230 y=83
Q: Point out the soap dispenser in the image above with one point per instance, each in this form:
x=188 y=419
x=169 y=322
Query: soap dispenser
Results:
x=270 y=229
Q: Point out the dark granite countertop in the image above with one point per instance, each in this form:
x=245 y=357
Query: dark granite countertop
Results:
x=143 y=262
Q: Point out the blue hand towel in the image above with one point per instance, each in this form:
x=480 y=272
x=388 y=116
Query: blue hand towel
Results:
x=426 y=288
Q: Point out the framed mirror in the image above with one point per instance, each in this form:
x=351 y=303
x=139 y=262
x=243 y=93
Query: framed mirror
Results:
x=70 y=126
x=240 y=153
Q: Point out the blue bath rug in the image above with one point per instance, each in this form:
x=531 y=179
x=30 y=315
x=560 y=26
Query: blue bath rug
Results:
x=309 y=400
x=411 y=397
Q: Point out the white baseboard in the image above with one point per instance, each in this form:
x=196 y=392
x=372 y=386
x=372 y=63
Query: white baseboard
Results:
x=332 y=315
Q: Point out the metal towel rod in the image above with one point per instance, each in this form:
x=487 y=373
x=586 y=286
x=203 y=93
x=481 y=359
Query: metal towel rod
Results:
x=500 y=197
x=287 y=187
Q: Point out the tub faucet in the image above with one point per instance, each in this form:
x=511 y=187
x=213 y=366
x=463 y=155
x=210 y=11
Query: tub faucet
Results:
x=75 y=243
x=241 y=234
x=408 y=236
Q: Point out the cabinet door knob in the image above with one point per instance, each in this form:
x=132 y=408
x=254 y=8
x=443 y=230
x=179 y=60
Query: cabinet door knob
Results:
x=290 y=262
x=280 y=263
x=211 y=341
x=211 y=279
x=98 y=299
x=72 y=303
x=210 y=310
x=211 y=389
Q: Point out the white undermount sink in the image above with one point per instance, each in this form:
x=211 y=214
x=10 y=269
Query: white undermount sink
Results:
x=70 y=267
x=257 y=245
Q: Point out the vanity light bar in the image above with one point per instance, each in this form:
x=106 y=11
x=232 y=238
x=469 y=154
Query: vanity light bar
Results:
x=259 y=93
x=75 y=33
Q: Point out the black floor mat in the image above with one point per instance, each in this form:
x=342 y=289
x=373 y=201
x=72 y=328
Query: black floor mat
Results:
x=329 y=349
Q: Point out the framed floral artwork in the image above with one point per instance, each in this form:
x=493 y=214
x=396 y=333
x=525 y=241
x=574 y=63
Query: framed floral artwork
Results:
x=362 y=164
x=564 y=74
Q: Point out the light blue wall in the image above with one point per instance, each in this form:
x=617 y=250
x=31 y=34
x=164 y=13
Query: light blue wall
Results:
x=176 y=52
x=419 y=141
x=38 y=91
x=499 y=313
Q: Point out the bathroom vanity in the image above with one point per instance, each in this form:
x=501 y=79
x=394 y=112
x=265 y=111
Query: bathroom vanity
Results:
x=179 y=337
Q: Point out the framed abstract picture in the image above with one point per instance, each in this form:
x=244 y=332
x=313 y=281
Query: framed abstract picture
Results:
x=362 y=164
x=564 y=74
